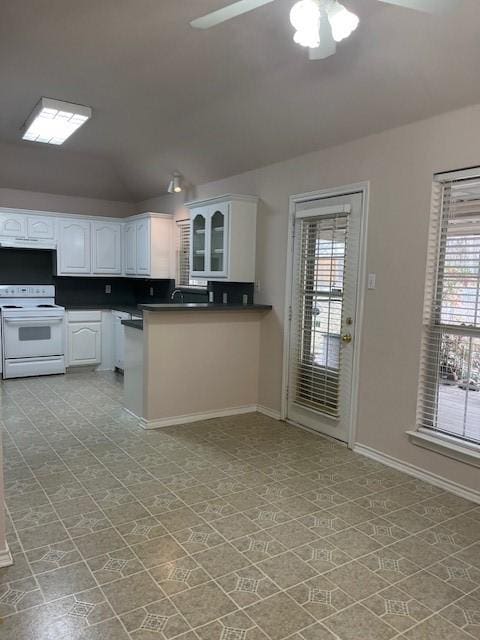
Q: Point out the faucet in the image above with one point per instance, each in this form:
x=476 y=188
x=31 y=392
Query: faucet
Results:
x=174 y=293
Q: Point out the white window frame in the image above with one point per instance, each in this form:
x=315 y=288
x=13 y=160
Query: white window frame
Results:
x=194 y=284
x=440 y=442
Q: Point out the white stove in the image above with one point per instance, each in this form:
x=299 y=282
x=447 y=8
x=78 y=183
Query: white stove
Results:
x=33 y=334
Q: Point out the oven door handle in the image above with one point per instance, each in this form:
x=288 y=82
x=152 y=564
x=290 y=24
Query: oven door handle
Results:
x=33 y=321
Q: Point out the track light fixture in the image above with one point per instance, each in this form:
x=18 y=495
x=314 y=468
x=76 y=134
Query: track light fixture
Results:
x=176 y=183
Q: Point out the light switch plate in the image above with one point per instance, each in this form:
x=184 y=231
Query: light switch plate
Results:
x=108 y=288
x=372 y=281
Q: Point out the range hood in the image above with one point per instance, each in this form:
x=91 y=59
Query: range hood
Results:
x=24 y=243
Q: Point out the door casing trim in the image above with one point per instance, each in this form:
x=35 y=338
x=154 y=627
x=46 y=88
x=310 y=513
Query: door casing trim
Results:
x=346 y=190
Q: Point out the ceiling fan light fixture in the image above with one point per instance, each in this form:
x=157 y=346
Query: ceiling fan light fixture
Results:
x=308 y=38
x=305 y=18
x=342 y=21
x=175 y=184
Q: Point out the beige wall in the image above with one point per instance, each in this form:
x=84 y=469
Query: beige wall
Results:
x=35 y=201
x=399 y=164
x=200 y=362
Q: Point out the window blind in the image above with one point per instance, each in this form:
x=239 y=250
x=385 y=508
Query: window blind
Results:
x=449 y=397
x=318 y=309
x=183 y=258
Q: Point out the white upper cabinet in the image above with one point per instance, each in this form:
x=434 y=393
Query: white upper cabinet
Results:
x=107 y=248
x=148 y=247
x=74 y=247
x=13 y=225
x=41 y=228
x=223 y=238
x=144 y=266
x=140 y=246
x=130 y=248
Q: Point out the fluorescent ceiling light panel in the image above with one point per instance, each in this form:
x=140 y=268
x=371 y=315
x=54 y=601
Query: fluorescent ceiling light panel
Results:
x=54 y=121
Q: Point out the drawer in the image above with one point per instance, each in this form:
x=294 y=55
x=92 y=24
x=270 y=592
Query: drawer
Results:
x=84 y=316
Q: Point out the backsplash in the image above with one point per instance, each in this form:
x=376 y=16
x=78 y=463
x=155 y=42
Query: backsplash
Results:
x=28 y=266
x=80 y=292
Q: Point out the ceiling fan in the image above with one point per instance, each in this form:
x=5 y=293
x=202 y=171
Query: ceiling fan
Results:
x=318 y=24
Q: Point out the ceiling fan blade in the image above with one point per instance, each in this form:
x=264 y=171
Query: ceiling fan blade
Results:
x=429 y=6
x=227 y=13
x=327 y=45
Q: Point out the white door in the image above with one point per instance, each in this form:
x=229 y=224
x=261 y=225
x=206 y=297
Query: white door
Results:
x=33 y=337
x=130 y=241
x=198 y=242
x=143 y=247
x=13 y=225
x=84 y=343
x=107 y=248
x=41 y=228
x=217 y=243
x=323 y=313
x=74 y=249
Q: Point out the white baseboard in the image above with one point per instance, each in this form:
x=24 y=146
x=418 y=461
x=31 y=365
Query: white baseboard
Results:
x=6 y=559
x=271 y=413
x=196 y=417
x=417 y=472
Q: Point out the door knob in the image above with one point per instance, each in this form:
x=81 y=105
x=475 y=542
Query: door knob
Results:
x=347 y=338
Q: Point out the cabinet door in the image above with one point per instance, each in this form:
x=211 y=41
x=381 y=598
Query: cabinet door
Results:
x=143 y=247
x=13 y=225
x=74 y=250
x=130 y=243
x=84 y=344
x=41 y=228
x=218 y=240
x=198 y=243
x=107 y=248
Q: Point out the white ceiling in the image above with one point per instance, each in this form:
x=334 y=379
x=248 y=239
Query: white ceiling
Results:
x=218 y=102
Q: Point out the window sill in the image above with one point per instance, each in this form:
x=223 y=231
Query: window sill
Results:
x=446 y=445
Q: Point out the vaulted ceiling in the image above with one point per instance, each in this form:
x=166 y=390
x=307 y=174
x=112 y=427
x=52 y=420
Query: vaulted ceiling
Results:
x=218 y=102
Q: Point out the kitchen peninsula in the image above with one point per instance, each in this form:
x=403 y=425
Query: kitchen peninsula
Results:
x=189 y=362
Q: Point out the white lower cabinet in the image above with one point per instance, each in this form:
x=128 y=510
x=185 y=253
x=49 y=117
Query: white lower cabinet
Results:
x=84 y=338
x=119 y=338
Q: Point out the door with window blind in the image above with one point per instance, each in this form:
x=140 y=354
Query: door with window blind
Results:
x=322 y=313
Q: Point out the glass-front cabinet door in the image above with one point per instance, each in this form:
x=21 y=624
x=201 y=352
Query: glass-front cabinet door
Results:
x=198 y=244
x=218 y=242
x=209 y=242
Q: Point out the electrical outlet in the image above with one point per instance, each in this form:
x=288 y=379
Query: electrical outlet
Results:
x=108 y=288
x=151 y=291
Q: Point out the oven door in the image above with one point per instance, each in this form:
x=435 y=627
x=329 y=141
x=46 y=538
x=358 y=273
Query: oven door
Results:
x=33 y=337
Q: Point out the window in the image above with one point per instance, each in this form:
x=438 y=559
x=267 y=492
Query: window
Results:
x=449 y=398
x=183 y=259
x=318 y=323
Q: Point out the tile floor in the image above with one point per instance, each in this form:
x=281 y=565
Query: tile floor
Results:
x=232 y=529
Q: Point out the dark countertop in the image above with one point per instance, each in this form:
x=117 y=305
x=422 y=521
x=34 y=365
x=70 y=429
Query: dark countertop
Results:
x=205 y=306
x=105 y=307
x=135 y=324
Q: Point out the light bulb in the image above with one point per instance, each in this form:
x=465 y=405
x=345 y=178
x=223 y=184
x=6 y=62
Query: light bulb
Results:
x=305 y=15
x=342 y=21
x=307 y=38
